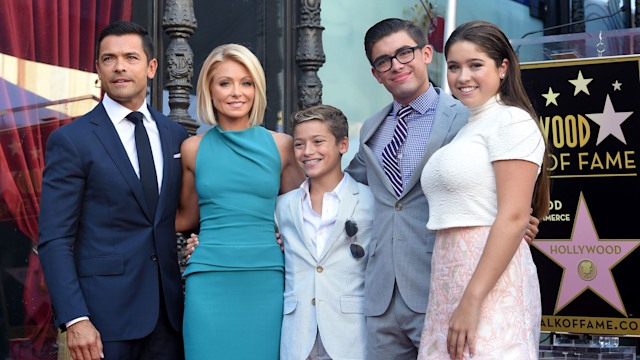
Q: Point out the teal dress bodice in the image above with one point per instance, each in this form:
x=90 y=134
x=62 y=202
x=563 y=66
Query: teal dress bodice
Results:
x=237 y=180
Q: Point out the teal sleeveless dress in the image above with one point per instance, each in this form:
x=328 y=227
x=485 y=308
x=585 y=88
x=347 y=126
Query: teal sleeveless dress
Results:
x=235 y=278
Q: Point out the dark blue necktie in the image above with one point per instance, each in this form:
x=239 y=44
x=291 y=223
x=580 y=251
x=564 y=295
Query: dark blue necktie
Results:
x=390 y=161
x=148 y=176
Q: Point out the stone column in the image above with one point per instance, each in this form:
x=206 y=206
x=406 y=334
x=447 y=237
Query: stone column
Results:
x=309 y=54
x=179 y=23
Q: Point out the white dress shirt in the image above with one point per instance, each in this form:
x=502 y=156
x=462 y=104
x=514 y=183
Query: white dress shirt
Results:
x=318 y=226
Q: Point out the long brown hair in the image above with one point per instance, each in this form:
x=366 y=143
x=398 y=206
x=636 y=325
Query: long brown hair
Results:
x=493 y=42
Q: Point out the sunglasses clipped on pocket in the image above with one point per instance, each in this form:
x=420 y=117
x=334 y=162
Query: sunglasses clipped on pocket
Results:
x=351 y=228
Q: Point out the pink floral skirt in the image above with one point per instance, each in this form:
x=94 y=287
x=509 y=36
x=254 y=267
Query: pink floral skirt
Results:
x=509 y=326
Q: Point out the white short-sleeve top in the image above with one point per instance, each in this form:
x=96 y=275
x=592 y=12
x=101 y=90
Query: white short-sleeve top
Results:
x=459 y=179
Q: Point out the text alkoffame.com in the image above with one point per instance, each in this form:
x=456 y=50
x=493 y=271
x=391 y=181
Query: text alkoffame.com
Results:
x=623 y=326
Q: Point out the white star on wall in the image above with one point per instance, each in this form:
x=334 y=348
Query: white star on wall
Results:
x=551 y=97
x=617 y=86
x=581 y=84
x=610 y=121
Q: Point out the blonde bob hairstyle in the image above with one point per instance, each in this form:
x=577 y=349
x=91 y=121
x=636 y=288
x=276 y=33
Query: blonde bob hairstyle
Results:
x=244 y=56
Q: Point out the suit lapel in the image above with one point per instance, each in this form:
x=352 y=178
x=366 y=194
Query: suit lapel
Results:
x=110 y=140
x=165 y=142
x=296 y=214
x=345 y=212
x=378 y=118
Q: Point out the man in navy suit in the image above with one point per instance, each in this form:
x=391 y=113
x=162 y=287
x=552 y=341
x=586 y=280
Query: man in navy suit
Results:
x=108 y=255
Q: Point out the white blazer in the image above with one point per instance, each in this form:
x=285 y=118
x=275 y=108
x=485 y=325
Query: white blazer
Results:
x=325 y=292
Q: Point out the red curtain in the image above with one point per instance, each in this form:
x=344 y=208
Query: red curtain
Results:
x=21 y=164
x=56 y=32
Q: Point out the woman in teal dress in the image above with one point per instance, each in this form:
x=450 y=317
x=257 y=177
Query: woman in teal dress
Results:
x=232 y=175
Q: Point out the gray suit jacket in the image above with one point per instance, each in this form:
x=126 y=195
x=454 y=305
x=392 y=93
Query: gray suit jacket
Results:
x=325 y=292
x=402 y=246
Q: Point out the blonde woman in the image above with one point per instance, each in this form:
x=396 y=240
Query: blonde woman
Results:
x=232 y=175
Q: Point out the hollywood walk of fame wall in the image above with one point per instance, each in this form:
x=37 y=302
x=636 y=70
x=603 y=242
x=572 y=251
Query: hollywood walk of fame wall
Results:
x=587 y=251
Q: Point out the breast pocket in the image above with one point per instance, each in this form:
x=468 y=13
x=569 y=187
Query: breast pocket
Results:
x=365 y=235
x=176 y=169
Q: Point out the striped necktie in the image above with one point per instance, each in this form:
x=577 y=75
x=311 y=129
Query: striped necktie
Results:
x=390 y=161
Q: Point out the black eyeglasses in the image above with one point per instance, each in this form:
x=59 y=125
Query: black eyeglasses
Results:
x=351 y=228
x=404 y=56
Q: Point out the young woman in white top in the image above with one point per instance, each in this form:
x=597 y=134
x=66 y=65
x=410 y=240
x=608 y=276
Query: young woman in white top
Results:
x=485 y=298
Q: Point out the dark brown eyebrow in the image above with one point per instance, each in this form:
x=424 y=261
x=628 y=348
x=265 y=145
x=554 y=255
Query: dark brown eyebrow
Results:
x=135 y=53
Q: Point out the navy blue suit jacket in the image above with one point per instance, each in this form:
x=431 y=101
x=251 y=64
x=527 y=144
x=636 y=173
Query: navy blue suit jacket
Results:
x=102 y=254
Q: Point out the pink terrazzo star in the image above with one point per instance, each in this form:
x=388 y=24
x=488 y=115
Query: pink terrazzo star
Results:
x=587 y=261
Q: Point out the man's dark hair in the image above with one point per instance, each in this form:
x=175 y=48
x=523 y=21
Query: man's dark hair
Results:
x=390 y=26
x=119 y=28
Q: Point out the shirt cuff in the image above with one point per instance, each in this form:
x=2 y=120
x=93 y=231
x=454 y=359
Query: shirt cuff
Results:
x=75 y=321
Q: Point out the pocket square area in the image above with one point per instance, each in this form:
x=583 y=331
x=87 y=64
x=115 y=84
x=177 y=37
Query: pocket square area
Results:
x=177 y=156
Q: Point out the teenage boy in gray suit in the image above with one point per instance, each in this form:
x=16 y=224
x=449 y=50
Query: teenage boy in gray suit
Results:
x=399 y=267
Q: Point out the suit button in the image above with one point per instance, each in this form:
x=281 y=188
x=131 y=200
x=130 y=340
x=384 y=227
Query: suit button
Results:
x=313 y=301
x=154 y=257
x=319 y=269
x=398 y=206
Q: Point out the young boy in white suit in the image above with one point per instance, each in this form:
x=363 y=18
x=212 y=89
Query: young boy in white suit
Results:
x=326 y=229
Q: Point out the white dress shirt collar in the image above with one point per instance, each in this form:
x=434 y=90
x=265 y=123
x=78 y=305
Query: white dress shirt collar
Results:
x=125 y=129
x=118 y=113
